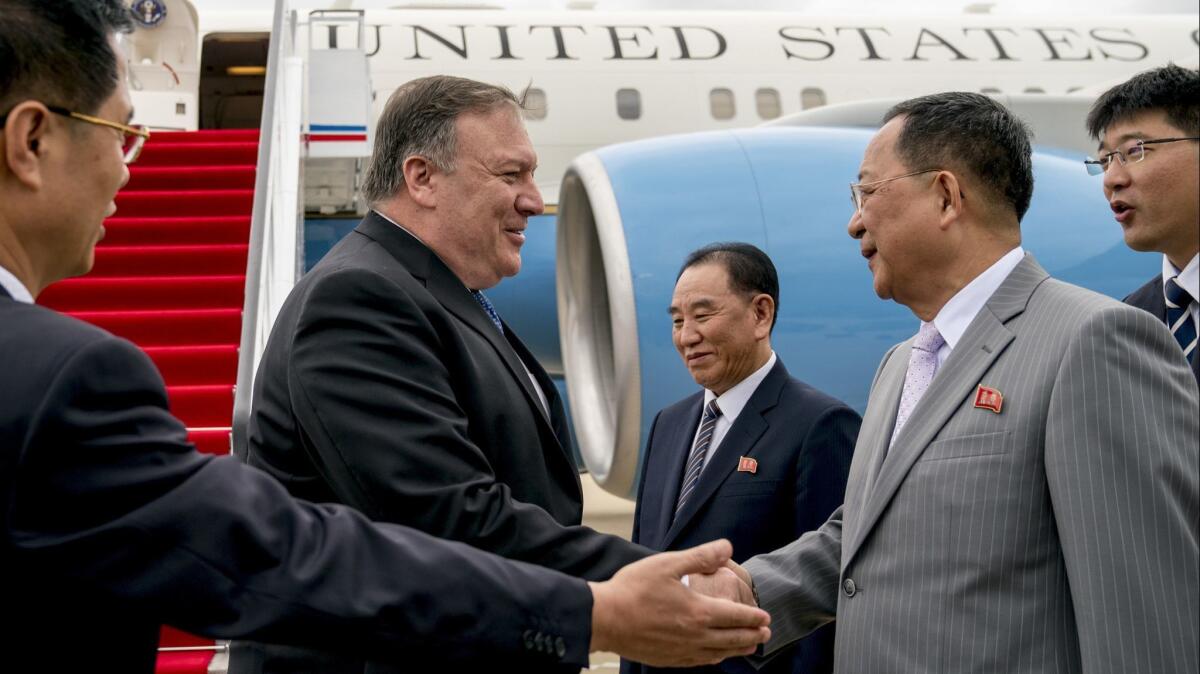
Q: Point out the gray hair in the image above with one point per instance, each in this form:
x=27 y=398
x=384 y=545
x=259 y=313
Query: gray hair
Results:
x=419 y=119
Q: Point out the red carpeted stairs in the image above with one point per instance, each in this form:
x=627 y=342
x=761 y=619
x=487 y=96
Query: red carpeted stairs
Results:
x=170 y=276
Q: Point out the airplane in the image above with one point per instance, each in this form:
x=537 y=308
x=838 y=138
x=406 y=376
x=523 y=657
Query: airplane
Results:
x=643 y=123
x=619 y=81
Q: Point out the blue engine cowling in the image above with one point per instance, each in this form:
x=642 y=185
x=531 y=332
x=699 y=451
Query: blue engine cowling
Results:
x=628 y=215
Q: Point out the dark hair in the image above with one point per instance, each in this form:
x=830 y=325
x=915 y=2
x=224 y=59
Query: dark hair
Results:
x=419 y=119
x=750 y=270
x=57 y=52
x=1171 y=89
x=972 y=132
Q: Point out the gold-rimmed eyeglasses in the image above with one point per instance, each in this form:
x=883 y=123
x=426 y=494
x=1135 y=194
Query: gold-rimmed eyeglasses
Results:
x=858 y=197
x=1132 y=154
x=132 y=137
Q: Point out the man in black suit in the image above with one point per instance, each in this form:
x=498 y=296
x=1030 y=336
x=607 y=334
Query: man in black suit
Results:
x=1148 y=128
x=757 y=456
x=114 y=524
x=390 y=384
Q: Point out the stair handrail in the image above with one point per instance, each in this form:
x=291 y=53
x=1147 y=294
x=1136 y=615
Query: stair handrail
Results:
x=275 y=257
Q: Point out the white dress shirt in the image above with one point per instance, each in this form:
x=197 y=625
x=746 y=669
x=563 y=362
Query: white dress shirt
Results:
x=956 y=316
x=1189 y=280
x=731 y=403
x=15 y=288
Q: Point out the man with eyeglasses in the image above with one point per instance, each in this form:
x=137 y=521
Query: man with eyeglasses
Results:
x=1025 y=490
x=1149 y=128
x=114 y=524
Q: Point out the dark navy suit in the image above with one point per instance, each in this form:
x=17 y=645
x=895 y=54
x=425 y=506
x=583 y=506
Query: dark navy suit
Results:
x=802 y=441
x=113 y=524
x=1150 y=297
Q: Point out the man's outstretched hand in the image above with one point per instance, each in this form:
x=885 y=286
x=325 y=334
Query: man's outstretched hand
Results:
x=644 y=613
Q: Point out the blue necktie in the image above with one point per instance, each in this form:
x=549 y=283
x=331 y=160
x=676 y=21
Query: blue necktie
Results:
x=1179 y=319
x=695 y=462
x=489 y=309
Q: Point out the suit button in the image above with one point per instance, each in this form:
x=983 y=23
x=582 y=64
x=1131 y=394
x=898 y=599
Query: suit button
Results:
x=849 y=587
x=560 y=647
x=528 y=637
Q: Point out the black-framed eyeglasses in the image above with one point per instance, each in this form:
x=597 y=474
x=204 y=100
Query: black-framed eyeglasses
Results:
x=858 y=197
x=1130 y=155
x=132 y=137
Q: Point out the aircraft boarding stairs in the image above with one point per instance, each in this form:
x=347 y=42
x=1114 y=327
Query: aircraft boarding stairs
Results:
x=170 y=277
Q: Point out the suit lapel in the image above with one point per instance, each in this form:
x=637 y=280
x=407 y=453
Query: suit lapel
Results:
x=980 y=346
x=873 y=437
x=739 y=441
x=424 y=264
x=676 y=445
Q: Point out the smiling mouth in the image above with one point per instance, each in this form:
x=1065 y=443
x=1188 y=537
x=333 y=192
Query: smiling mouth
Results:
x=691 y=358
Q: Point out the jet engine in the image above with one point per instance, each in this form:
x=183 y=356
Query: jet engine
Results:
x=630 y=213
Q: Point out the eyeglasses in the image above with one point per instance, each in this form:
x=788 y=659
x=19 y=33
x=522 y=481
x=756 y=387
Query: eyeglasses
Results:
x=858 y=197
x=132 y=137
x=1130 y=155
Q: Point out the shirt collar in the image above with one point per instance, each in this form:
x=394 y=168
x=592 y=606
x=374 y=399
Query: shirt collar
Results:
x=15 y=288
x=732 y=401
x=1189 y=278
x=956 y=316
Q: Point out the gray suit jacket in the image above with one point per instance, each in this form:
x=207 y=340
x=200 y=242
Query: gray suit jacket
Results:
x=1058 y=535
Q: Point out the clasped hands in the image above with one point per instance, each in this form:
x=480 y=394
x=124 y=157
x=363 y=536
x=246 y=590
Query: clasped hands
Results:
x=645 y=613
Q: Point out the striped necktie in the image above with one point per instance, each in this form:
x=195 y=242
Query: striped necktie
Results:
x=488 y=309
x=695 y=462
x=1179 y=319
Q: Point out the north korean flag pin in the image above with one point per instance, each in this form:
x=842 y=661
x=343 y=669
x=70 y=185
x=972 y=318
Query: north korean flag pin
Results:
x=988 y=399
x=747 y=465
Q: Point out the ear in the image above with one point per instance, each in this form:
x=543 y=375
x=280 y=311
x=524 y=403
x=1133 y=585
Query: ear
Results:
x=25 y=133
x=950 y=198
x=419 y=180
x=764 y=314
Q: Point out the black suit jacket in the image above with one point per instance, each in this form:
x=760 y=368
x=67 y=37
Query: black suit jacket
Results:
x=385 y=386
x=1150 y=297
x=803 y=441
x=114 y=524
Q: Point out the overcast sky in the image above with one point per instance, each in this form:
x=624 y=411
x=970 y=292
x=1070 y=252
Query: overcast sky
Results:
x=824 y=7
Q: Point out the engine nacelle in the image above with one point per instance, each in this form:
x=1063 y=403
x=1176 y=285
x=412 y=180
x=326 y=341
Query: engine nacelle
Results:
x=629 y=213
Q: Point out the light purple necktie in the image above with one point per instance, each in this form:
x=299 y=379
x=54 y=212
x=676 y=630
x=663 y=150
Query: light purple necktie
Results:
x=922 y=365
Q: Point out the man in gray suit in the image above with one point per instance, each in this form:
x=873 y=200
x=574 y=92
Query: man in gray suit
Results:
x=1024 y=492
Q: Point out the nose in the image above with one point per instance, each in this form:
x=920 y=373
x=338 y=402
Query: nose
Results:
x=855 y=227
x=529 y=201
x=688 y=334
x=1116 y=177
x=124 y=175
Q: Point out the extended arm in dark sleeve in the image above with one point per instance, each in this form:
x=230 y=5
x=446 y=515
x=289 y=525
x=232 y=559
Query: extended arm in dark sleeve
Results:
x=377 y=404
x=110 y=497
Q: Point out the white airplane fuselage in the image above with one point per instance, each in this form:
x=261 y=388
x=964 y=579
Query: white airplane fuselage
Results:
x=603 y=78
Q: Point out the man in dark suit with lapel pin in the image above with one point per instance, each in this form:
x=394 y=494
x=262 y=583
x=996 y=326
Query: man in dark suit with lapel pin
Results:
x=757 y=456
x=1149 y=128
x=390 y=384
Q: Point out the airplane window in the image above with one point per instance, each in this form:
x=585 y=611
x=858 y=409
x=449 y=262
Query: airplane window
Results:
x=990 y=90
x=1034 y=90
x=534 y=104
x=721 y=103
x=629 y=103
x=812 y=97
x=767 y=102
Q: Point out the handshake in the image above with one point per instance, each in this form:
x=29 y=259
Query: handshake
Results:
x=645 y=613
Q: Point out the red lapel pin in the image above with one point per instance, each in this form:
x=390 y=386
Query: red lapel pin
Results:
x=988 y=399
x=747 y=465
